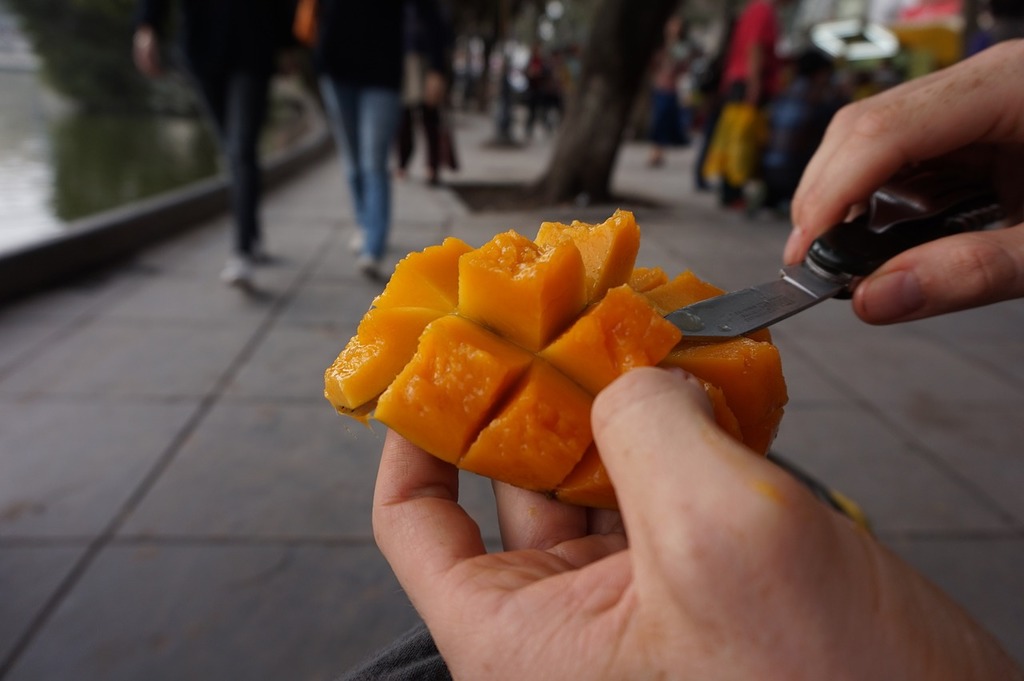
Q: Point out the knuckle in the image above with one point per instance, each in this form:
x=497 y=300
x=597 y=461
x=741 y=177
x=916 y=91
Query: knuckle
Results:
x=846 y=119
x=874 y=121
x=986 y=269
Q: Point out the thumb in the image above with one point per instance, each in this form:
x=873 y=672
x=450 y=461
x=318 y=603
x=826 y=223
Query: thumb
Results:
x=955 y=273
x=671 y=464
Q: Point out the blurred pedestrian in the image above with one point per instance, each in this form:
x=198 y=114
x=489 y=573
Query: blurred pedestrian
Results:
x=797 y=120
x=1001 y=20
x=707 y=71
x=423 y=98
x=229 y=48
x=749 y=80
x=359 y=56
x=667 y=66
x=539 y=83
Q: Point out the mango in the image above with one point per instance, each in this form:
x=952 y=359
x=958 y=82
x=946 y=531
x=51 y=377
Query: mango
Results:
x=489 y=358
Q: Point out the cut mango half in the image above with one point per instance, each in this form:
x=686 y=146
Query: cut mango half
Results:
x=490 y=358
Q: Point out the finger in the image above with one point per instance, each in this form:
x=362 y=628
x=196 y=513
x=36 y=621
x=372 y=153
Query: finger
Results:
x=529 y=520
x=604 y=521
x=956 y=273
x=979 y=100
x=657 y=437
x=697 y=505
x=417 y=521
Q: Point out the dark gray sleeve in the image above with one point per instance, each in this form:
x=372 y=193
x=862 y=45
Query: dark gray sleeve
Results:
x=413 y=657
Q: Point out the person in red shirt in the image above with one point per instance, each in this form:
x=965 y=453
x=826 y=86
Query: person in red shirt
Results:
x=752 y=67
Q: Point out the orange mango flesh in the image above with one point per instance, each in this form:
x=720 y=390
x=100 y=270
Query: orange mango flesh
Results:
x=608 y=249
x=428 y=278
x=539 y=436
x=618 y=333
x=685 y=289
x=526 y=292
x=441 y=399
x=749 y=374
x=588 y=484
x=644 y=279
x=724 y=415
x=505 y=347
x=383 y=345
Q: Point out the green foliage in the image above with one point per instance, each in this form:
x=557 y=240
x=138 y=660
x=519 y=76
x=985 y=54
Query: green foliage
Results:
x=106 y=160
x=85 y=50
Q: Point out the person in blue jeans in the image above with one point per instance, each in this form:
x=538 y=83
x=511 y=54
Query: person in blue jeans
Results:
x=359 y=58
x=230 y=49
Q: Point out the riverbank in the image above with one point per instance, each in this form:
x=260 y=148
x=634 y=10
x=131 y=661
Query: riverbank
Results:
x=60 y=163
x=56 y=255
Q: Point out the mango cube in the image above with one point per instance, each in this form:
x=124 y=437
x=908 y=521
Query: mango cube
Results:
x=588 y=484
x=619 y=333
x=441 y=399
x=609 y=249
x=525 y=292
x=539 y=435
x=427 y=278
x=384 y=343
x=749 y=374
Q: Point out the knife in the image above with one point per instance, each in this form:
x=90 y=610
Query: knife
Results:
x=915 y=207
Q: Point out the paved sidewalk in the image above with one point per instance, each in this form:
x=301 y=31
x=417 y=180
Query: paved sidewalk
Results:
x=177 y=500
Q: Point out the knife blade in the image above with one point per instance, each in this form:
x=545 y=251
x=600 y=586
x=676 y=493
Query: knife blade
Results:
x=750 y=309
x=913 y=208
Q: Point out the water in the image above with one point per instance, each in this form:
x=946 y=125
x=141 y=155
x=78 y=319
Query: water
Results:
x=56 y=167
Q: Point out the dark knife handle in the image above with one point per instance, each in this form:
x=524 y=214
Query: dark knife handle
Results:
x=913 y=208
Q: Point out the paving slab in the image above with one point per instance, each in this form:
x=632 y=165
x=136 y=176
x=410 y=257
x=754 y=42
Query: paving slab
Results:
x=331 y=303
x=69 y=466
x=982 y=444
x=132 y=359
x=29 y=575
x=980 y=573
x=897 y=485
x=288 y=365
x=269 y=470
x=209 y=611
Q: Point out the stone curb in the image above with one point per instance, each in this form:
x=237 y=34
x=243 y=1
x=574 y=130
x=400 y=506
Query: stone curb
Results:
x=104 y=238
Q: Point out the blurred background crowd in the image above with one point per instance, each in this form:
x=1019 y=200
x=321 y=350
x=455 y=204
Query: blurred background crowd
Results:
x=751 y=84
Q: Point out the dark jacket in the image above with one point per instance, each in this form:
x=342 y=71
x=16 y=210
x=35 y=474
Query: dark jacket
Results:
x=218 y=36
x=363 y=42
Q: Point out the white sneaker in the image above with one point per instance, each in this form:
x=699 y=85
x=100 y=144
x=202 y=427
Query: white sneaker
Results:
x=237 y=271
x=369 y=267
x=357 y=241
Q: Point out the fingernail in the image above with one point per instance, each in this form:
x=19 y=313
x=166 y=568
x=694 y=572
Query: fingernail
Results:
x=681 y=373
x=892 y=296
x=687 y=377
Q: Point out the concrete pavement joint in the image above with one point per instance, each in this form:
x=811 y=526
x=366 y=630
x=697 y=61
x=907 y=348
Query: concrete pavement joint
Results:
x=997 y=372
x=105 y=537
x=915 y=448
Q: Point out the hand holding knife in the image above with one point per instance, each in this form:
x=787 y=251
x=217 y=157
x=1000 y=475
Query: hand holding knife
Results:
x=913 y=208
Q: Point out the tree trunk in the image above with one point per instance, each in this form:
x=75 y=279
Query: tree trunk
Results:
x=624 y=37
